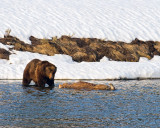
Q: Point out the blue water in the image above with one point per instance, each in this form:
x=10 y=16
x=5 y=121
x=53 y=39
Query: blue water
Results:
x=133 y=104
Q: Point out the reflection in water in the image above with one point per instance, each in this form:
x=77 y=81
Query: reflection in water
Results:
x=133 y=104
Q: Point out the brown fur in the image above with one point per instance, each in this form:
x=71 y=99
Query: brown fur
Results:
x=87 y=86
x=41 y=72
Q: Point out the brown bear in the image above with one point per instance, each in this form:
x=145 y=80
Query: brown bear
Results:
x=87 y=86
x=41 y=72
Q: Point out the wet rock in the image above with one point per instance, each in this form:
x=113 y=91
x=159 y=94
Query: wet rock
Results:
x=87 y=86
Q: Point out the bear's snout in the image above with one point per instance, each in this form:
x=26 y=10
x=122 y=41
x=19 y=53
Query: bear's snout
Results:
x=51 y=76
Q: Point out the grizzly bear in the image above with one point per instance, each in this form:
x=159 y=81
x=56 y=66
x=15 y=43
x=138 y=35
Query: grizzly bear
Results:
x=87 y=86
x=41 y=72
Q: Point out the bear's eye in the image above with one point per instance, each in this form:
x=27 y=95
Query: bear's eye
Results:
x=47 y=69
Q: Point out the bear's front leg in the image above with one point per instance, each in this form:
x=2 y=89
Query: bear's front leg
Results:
x=26 y=81
x=50 y=83
x=41 y=83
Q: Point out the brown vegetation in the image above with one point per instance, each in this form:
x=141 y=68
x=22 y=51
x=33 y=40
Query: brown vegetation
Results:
x=4 y=54
x=87 y=49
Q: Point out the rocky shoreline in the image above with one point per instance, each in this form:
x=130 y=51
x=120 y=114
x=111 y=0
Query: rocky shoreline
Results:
x=84 y=49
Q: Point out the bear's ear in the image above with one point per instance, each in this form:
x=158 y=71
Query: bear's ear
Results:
x=47 y=69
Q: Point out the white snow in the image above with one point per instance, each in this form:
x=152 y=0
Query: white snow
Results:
x=122 y=20
x=68 y=69
x=6 y=47
x=117 y=20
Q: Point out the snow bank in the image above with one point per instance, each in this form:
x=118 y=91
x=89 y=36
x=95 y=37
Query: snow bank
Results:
x=68 y=69
x=122 y=20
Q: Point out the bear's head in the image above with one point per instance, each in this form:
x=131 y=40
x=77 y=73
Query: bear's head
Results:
x=47 y=69
x=50 y=71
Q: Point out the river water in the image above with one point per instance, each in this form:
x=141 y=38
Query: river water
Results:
x=134 y=104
